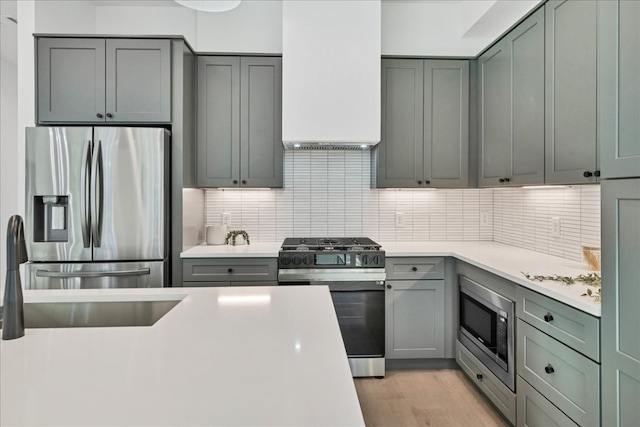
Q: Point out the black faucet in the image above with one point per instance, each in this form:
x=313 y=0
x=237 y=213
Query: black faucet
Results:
x=13 y=311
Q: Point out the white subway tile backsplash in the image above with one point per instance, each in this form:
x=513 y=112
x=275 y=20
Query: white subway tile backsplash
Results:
x=327 y=193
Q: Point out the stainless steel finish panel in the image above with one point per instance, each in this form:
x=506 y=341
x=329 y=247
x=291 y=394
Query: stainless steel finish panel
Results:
x=56 y=165
x=505 y=308
x=129 y=193
x=332 y=274
x=95 y=275
x=367 y=367
x=95 y=314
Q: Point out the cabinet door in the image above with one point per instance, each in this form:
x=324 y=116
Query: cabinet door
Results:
x=620 y=296
x=400 y=151
x=261 y=122
x=218 y=121
x=138 y=81
x=526 y=50
x=446 y=123
x=495 y=115
x=619 y=88
x=71 y=76
x=414 y=322
x=570 y=114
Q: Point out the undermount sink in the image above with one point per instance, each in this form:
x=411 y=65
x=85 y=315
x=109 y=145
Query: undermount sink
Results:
x=95 y=313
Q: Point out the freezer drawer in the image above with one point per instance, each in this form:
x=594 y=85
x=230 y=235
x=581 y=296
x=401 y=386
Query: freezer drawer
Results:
x=95 y=275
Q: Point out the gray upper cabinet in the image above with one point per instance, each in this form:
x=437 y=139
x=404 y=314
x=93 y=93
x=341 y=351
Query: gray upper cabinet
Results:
x=400 y=152
x=619 y=88
x=97 y=80
x=261 y=151
x=570 y=115
x=446 y=123
x=511 y=85
x=70 y=80
x=138 y=80
x=620 y=296
x=425 y=122
x=493 y=86
x=239 y=122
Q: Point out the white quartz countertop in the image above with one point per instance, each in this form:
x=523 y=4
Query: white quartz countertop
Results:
x=246 y=356
x=505 y=261
x=255 y=250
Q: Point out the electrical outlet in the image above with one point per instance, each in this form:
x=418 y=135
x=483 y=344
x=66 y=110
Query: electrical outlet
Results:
x=226 y=218
x=399 y=219
x=485 y=219
x=556 y=226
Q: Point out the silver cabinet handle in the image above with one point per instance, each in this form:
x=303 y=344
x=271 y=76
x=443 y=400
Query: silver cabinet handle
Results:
x=62 y=274
x=84 y=194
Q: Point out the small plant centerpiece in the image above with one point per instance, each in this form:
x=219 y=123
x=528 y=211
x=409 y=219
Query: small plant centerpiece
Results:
x=232 y=236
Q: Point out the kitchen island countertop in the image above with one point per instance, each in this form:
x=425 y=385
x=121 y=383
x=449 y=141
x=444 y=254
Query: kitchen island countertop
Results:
x=506 y=261
x=247 y=356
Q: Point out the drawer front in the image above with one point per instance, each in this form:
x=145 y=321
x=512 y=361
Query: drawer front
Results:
x=565 y=377
x=494 y=389
x=536 y=411
x=574 y=328
x=230 y=270
x=414 y=268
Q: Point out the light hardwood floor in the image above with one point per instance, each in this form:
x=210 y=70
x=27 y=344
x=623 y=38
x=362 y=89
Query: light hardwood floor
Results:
x=424 y=398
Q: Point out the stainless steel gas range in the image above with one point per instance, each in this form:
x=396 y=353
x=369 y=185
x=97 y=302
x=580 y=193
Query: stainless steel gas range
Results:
x=353 y=269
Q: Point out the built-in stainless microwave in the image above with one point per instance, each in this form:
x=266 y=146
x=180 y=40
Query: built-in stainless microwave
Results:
x=486 y=328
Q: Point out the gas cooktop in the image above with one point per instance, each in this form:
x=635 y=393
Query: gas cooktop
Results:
x=329 y=243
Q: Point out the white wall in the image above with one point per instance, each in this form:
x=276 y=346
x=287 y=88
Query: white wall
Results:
x=66 y=17
x=146 y=20
x=10 y=193
x=447 y=28
x=253 y=27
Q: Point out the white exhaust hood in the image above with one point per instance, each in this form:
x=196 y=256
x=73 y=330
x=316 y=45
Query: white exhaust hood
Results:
x=331 y=74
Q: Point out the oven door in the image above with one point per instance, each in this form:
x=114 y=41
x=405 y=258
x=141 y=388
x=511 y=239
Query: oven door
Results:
x=479 y=322
x=360 y=310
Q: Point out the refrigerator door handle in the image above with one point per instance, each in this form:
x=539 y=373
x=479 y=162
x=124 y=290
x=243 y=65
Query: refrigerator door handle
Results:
x=85 y=184
x=62 y=274
x=98 y=193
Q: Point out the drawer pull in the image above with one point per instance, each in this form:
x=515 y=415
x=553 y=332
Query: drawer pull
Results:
x=414 y=268
x=479 y=376
x=549 y=369
x=548 y=317
x=388 y=286
x=230 y=270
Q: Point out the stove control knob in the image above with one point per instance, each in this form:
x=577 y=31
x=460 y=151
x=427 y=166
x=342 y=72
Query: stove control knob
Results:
x=365 y=259
x=308 y=260
x=285 y=260
x=376 y=259
x=297 y=260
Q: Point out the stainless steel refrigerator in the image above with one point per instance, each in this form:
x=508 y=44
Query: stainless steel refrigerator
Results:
x=96 y=207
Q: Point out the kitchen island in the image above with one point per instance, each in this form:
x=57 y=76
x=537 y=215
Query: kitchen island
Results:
x=245 y=356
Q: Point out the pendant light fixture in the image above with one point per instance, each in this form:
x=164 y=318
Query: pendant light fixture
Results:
x=209 y=5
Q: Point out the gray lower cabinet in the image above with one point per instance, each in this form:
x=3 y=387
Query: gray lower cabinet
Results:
x=571 y=150
x=511 y=108
x=239 y=136
x=415 y=308
x=229 y=271
x=492 y=387
x=565 y=377
x=620 y=297
x=425 y=122
x=619 y=88
x=534 y=410
x=93 y=80
x=414 y=319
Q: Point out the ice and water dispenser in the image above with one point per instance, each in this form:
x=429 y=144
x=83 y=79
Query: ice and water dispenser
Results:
x=51 y=218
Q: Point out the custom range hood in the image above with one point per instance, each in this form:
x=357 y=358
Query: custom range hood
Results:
x=331 y=74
